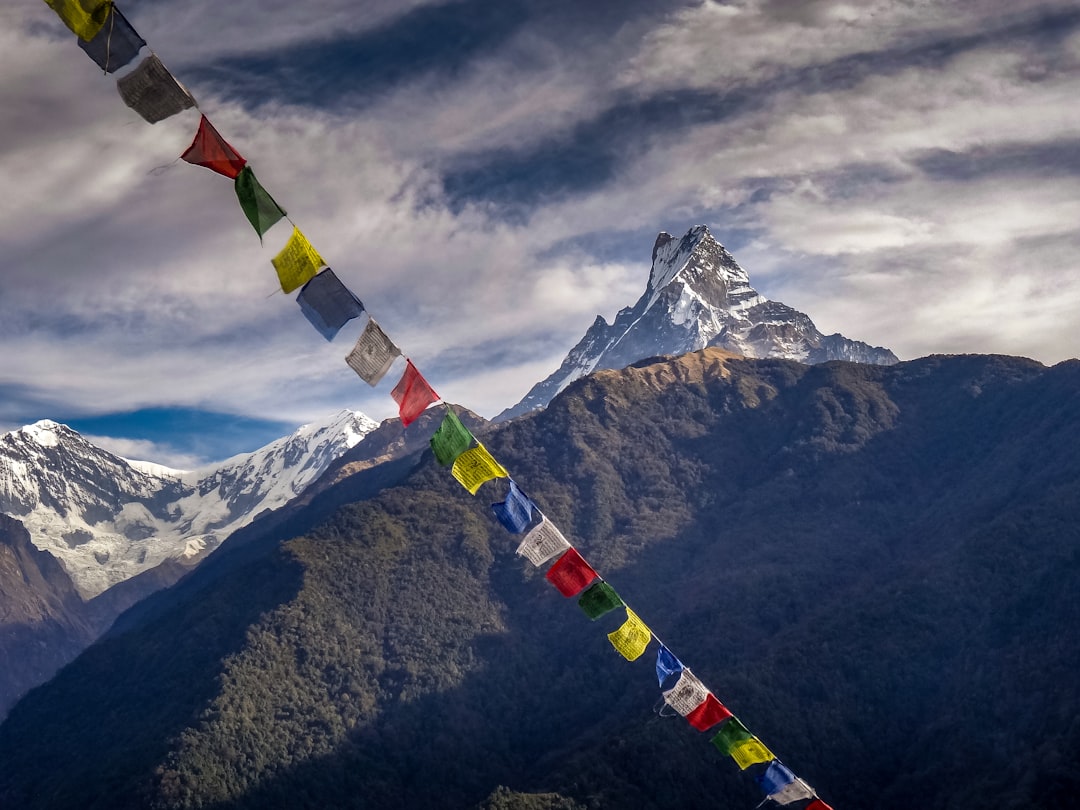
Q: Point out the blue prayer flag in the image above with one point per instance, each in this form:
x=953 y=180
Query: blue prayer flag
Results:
x=328 y=304
x=776 y=778
x=115 y=45
x=666 y=664
x=516 y=512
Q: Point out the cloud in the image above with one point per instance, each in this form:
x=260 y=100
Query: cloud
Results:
x=489 y=177
x=146 y=450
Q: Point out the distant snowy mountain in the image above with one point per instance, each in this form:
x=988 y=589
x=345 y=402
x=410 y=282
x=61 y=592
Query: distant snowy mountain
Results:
x=697 y=296
x=107 y=518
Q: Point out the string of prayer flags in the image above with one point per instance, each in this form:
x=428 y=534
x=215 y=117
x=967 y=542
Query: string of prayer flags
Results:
x=795 y=792
x=373 y=354
x=85 y=18
x=516 y=512
x=667 y=665
x=476 y=466
x=775 y=778
x=632 y=637
x=413 y=395
x=297 y=262
x=259 y=207
x=736 y=741
x=599 y=599
x=152 y=92
x=116 y=44
x=542 y=543
x=570 y=573
x=450 y=440
x=209 y=149
x=328 y=304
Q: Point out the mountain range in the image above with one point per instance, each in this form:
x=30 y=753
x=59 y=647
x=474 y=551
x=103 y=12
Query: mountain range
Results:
x=107 y=518
x=874 y=567
x=697 y=296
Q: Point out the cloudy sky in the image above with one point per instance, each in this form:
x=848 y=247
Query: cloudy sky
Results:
x=489 y=175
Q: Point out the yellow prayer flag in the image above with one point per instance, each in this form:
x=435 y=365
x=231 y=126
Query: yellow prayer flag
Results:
x=84 y=17
x=297 y=263
x=632 y=638
x=475 y=466
x=749 y=752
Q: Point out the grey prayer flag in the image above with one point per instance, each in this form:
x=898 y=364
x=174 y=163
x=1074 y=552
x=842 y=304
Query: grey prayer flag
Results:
x=373 y=354
x=152 y=92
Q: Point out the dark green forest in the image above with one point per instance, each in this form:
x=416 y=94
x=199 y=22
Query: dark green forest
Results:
x=876 y=568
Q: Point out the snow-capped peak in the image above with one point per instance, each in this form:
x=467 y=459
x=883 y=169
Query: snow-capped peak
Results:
x=697 y=296
x=43 y=432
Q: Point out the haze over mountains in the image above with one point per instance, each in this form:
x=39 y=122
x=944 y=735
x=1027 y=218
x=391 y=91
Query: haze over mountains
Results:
x=874 y=567
x=697 y=296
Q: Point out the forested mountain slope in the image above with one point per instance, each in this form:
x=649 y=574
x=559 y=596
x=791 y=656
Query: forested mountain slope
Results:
x=875 y=567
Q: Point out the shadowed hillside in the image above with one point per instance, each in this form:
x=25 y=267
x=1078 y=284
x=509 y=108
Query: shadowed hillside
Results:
x=876 y=568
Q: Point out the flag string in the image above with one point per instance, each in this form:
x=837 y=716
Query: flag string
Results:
x=298 y=265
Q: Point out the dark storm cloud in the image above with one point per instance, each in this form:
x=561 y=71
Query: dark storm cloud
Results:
x=514 y=182
x=437 y=41
x=1003 y=160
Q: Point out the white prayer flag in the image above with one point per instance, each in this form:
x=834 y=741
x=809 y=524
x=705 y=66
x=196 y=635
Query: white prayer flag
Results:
x=796 y=791
x=373 y=354
x=152 y=91
x=542 y=543
x=687 y=694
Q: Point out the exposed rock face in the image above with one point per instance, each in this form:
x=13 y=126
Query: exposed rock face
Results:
x=697 y=296
x=43 y=621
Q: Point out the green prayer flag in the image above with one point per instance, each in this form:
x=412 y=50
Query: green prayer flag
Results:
x=599 y=599
x=259 y=207
x=451 y=439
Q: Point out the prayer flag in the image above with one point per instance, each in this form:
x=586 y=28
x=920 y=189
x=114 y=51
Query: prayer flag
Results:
x=152 y=92
x=373 y=354
x=776 y=777
x=570 y=573
x=451 y=439
x=734 y=740
x=209 y=149
x=475 y=466
x=297 y=262
x=260 y=208
x=796 y=791
x=327 y=303
x=708 y=714
x=115 y=45
x=687 y=694
x=413 y=395
x=515 y=513
x=666 y=664
x=542 y=543
x=817 y=804
x=631 y=638
x=599 y=599
x=85 y=18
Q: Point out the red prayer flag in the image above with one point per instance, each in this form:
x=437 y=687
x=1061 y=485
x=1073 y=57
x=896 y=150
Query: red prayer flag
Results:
x=708 y=714
x=209 y=149
x=818 y=804
x=412 y=394
x=570 y=573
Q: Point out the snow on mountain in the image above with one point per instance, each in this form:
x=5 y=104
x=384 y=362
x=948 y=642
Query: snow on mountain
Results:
x=107 y=518
x=697 y=296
